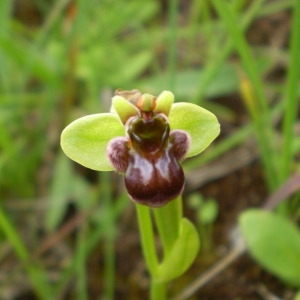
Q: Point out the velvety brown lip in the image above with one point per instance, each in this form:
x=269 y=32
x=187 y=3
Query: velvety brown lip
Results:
x=150 y=157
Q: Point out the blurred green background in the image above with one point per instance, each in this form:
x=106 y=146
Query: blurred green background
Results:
x=63 y=59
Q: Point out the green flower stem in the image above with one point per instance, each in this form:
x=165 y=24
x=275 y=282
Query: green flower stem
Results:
x=158 y=290
x=147 y=238
x=168 y=219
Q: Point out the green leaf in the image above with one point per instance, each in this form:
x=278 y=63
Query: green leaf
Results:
x=274 y=242
x=202 y=125
x=182 y=255
x=85 y=140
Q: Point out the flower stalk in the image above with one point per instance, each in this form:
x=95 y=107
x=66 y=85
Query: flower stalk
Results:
x=167 y=219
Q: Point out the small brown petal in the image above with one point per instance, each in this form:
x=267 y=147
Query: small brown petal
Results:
x=180 y=141
x=118 y=153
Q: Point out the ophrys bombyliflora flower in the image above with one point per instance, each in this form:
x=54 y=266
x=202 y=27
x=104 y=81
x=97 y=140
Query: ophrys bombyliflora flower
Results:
x=145 y=138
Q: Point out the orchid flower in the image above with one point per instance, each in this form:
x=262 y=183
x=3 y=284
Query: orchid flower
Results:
x=145 y=138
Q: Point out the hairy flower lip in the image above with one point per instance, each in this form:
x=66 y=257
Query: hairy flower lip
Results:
x=180 y=151
x=159 y=200
x=116 y=152
x=154 y=182
x=149 y=158
x=149 y=136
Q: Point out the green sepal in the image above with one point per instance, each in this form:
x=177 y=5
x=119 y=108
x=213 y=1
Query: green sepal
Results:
x=164 y=103
x=85 y=140
x=274 y=242
x=202 y=125
x=182 y=255
x=124 y=108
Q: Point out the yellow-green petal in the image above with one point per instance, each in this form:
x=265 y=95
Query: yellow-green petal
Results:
x=85 y=140
x=202 y=125
x=124 y=108
x=164 y=102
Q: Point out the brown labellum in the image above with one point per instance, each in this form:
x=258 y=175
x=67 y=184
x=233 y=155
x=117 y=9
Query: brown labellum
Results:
x=150 y=157
x=154 y=181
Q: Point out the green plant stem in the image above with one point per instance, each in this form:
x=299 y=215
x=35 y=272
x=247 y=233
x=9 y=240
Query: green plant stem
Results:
x=168 y=219
x=158 y=290
x=291 y=97
x=147 y=238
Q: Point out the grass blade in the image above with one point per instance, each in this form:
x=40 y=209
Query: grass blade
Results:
x=291 y=99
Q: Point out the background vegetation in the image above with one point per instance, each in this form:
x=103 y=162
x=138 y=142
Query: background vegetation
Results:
x=67 y=232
